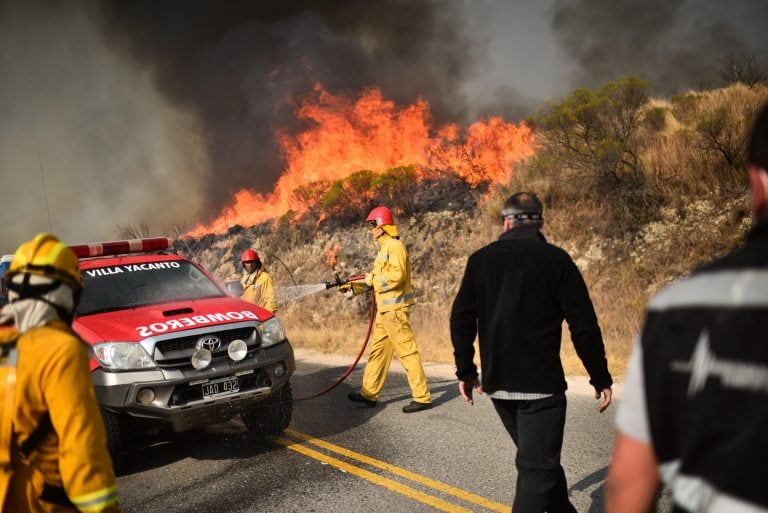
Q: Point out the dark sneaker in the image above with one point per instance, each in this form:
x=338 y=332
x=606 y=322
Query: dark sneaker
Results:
x=416 y=406
x=357 y=397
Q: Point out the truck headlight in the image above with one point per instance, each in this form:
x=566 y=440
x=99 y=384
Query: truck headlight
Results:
x=122 y=355
x=271 y=332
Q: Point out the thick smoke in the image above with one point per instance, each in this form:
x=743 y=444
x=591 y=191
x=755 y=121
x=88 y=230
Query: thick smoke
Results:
x=240 y=66
x=674 y=44
x=86 y=143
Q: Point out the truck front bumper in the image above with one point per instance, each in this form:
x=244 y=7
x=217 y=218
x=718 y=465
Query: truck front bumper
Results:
x=177 y=394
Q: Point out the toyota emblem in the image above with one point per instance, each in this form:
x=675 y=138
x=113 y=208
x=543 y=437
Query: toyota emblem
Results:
x=210 y=343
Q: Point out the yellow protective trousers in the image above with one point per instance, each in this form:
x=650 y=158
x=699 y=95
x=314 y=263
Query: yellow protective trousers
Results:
x=392 y=334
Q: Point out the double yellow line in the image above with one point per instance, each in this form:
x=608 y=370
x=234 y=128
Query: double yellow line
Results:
x=374 y=478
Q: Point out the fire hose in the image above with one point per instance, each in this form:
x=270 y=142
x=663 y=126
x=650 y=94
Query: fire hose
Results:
x=337 y=283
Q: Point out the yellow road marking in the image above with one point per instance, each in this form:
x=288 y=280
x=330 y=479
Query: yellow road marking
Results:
x=373 y=478
x=437 y=485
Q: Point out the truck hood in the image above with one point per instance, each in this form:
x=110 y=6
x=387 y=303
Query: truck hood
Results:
x=136 y=324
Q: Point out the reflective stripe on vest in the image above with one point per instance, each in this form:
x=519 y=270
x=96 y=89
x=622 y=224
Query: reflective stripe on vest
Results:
x=395 y=300
x=716 y=289
x=696 y=494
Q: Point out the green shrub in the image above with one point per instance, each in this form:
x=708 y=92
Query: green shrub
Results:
x=596 y=132
x=352 y=197
x=311 y=195
x=394 y=188
x=591 y=148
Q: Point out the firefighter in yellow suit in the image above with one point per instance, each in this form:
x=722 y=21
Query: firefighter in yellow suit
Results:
x=67 y=468
x=258 y=287
x=392 y=334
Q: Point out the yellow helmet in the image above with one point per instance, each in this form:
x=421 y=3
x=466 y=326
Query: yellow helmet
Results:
x=45 y=255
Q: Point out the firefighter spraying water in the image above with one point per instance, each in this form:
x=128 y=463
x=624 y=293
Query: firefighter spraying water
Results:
x=390 y=284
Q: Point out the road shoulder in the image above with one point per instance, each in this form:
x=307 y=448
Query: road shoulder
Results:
x=577 y=385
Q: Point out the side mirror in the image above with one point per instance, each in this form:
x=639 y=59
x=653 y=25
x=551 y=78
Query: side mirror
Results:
x=235 y=288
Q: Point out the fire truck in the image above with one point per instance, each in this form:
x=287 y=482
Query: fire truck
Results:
x=172 y=350
x=5 y=263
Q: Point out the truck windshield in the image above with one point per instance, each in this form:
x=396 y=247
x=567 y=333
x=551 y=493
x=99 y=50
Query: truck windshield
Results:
x=118 y=287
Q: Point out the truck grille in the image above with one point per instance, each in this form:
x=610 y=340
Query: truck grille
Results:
x=176 y=352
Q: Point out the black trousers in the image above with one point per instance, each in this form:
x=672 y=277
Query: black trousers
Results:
x=536 y=426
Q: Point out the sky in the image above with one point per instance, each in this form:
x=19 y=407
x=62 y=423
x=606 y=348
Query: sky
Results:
x=117 y=113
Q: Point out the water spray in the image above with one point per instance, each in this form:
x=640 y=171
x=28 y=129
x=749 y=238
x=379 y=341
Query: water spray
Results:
x=292 y=293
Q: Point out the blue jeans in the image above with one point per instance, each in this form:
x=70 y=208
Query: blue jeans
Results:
x=536 y=426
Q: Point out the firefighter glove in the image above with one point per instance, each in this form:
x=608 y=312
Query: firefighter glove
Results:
x=353 y=288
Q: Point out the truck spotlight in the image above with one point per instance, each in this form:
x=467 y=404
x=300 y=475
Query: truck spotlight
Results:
x=237 y=349
x=146 y=396
x=280 y=370
x=201 y=359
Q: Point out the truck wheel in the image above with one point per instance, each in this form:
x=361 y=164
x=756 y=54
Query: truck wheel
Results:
x=114 y=436
x=272 y=415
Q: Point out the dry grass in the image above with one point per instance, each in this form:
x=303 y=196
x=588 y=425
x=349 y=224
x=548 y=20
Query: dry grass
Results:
x=433 y=338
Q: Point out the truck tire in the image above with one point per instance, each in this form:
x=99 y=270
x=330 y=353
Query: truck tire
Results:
x=112 y=426
x=272 y=415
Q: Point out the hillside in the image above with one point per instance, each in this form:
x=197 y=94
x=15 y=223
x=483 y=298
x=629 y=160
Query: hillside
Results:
x=685 y=204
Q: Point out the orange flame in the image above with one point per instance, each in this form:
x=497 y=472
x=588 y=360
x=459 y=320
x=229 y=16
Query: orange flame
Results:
x=346 y=136
x=331 y=254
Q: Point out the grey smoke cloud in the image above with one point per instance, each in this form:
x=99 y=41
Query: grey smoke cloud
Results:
x=82 y=128
x=674 y=44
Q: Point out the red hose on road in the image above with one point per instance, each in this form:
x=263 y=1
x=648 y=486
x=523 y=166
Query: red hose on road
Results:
x=357 y=359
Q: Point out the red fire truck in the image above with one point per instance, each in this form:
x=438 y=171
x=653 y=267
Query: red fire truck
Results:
x=172 y=349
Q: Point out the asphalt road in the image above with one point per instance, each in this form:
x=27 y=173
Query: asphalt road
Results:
x=341 y=457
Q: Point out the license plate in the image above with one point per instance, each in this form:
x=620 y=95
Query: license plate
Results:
x=221 y=386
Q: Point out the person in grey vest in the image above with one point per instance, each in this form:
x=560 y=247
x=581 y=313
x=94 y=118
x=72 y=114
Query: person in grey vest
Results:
x=694 y=413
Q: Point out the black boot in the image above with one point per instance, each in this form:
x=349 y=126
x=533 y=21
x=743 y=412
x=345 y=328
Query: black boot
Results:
x=357 y=397
x=416 y=406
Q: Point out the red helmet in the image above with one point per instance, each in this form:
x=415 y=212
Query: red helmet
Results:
x=380 y=215
x=250 y=255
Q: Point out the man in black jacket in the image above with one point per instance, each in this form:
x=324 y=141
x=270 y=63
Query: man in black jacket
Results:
x=514 y=296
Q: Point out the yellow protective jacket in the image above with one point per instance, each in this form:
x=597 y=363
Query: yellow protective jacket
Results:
x=391 y=275
x=71 y=462
x=259 y=289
